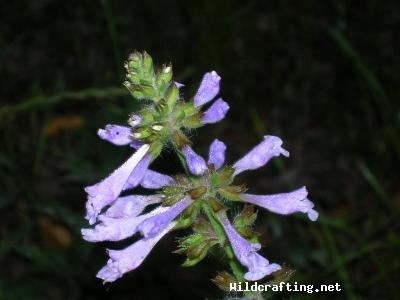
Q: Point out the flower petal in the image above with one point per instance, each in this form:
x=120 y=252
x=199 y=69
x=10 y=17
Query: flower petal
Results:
x=106 y=191
x=154 y=180
x=261 y=154
x=111 y=229
x=216 y=112
x=118 y=135
x=157 y=223
x=216 y=155
x=208 y=89
x=285 y=203
x=122 y=261
x=138 y=173
x=130 y=206
x=245 y=252
x=196 y=163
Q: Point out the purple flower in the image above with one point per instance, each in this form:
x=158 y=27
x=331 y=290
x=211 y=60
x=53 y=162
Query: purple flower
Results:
x=154 y=180
x=245 y=252
x=216 y=112
x=107 y=190
x=285 y=203
x=216 y=155
x=118 y=135
x=111 y=229
x=196 y=163
x=261 y=154
x=122 y=261
x=151 y=226
x=130 y=206
x=208 y=89
x=138 y=173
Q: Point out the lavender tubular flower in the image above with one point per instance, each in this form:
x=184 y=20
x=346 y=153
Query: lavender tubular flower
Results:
x=130 y=206
x=155 y=180
x=138 y=173
x=245 y=252
x=158 y=222
x=118 y=135
x=106 y=191
x=216 y=112
x=111 y=229
x=261 y=154
x=128 y=259
x=196 y=163
x=285 y=203
x=216 y=155
x=208 y=89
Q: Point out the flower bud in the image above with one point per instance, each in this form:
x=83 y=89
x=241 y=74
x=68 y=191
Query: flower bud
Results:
x=216 y=205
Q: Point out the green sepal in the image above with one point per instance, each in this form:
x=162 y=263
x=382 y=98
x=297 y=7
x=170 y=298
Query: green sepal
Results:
x=163 y=77
x=215 y=180
x=193 y=121
x=172 y=94
x=172 y=190
x=246 y=233
x=181 y=140
x=232 y=192
x=189 y=109
x=190 y=241
x=226 y=175
x=197 y=193
x=171 y=200
x=216 y=205
x=133 y=78
x=148 y=64
x=246 y=217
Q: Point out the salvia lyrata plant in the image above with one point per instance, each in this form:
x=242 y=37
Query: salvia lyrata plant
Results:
x=200 y=198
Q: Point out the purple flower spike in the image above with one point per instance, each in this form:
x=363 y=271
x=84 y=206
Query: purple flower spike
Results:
x=208 y=89
x=196 y=163
x=151 y=226
x=118 y=135
x=245 y=252
x=154 y=180
x=106 y=191
x=111 y=229
x=130 y=206
x=216 y=112
x=261 y=154
x=216 y=155
x=285 y=203
x=128 y=259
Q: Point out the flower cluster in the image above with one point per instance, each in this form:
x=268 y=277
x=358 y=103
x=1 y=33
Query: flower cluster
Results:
x=200 y=198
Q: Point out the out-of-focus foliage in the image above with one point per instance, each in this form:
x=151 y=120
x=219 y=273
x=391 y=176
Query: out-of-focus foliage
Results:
x=322 y=75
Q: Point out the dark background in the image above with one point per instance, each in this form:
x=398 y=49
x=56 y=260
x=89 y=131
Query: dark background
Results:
x=322 y=75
